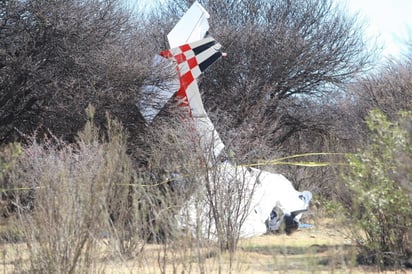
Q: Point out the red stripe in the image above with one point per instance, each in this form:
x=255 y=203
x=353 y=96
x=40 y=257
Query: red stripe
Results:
x=192 y=62
x=180 y=58
x=181 y=96
x=186 y=79
x=185 y=47
x=166 y=53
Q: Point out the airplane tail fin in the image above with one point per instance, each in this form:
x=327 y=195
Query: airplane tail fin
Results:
x=192 y=52
x=191 y=61
x=193 y=26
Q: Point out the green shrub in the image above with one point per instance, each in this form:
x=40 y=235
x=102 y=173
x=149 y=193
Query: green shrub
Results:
x=378 y=178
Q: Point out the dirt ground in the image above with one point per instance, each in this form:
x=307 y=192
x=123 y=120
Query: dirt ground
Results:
x=320 y=248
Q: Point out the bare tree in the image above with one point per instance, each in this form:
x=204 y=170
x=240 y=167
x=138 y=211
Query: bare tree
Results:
x=389 y=89
x=58 y=57
x=279 y=53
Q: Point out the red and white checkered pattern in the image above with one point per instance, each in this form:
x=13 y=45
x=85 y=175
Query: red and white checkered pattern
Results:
x=191 y=59
x=187 y=63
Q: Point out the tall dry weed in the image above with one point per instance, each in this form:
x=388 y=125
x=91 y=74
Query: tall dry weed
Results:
x=70 y=196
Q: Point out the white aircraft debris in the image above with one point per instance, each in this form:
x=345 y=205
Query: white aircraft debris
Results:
x=270 y=199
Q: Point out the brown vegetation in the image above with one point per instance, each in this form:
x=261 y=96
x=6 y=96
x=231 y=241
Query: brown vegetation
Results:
x=73 y=176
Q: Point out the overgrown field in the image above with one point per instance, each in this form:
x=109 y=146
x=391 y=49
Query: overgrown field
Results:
x=83 y=208
x=322 y=248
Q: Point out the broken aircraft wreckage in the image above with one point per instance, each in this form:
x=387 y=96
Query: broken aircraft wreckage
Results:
x=269 y=199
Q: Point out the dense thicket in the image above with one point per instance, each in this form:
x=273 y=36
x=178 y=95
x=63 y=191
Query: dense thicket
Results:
x=281 y=89
x=57 y=57
x=283 y=56
x=389 y=89
x=277 y=93
x=280 y=53
x=289 y=85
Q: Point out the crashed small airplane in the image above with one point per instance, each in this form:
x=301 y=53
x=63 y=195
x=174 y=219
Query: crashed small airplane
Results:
x=273 y=199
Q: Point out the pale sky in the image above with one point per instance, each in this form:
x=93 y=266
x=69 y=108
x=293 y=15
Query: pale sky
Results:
x=390 y=21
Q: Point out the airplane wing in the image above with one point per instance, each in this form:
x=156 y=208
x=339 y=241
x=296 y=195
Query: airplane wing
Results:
x=159 y=87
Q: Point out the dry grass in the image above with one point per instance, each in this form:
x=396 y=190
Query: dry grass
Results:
x=84 y=209
x=320 y=249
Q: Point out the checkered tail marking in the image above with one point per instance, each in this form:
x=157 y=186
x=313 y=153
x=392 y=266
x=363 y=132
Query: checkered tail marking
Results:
x=191 y=60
